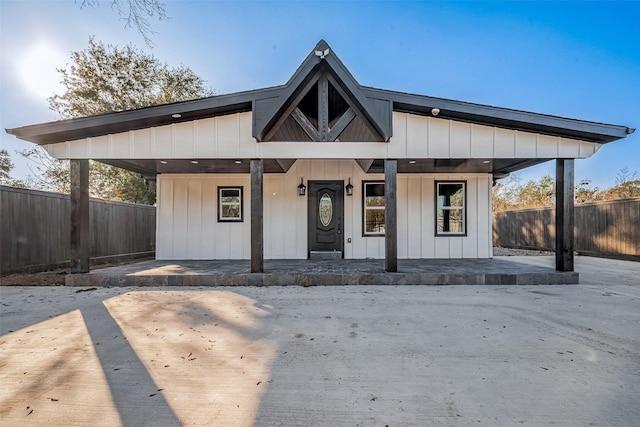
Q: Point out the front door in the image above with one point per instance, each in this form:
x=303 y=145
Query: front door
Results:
x=326 y=216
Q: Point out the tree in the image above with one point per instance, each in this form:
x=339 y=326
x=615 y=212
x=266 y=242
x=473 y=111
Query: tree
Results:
x=5 y=166
x=585 y=194
x=136 y=13
x=49 y=174
x=627 y=186
x=505 y=193
x=508 y=194
x=105 y=78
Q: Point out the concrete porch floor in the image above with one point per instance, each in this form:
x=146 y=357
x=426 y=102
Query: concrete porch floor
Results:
x=496 y=271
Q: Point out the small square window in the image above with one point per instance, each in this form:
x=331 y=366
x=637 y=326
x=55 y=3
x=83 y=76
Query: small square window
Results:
x=373 y=208
x=451 y=213
x=230 y=204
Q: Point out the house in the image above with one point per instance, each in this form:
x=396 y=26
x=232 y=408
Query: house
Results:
x=322 y=167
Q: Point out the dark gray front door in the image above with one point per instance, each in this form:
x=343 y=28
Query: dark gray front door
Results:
x=326 y=215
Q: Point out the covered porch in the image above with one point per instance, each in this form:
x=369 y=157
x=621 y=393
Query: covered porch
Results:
x=496 y=271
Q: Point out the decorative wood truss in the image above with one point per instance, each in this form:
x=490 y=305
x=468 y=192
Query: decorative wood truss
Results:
x=322 y=111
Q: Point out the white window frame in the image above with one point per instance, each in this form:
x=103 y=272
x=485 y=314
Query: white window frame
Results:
x=462 y=209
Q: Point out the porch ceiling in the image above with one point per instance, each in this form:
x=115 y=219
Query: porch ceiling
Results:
x=151 y=167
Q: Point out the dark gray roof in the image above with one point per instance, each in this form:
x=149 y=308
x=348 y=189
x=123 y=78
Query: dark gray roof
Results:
x=267 y=103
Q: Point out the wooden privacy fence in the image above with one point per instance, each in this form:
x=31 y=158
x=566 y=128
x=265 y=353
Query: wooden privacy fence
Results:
x=606 y=229
x=34 y=230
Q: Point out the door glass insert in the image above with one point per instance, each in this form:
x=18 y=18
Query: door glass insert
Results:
x=325 y=209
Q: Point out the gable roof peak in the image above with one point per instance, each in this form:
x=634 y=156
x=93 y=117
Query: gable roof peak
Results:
x=323 y=72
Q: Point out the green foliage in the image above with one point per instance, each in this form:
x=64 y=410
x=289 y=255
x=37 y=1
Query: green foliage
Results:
x=537 y=194
x=111 y=183
x=585 y=194
x=5 y=165
x=627 y=186
x=103 y=79
x=508 y=194
x=48 y=173
x=135 y=13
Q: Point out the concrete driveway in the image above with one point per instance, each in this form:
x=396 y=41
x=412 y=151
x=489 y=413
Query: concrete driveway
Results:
x=566 y=355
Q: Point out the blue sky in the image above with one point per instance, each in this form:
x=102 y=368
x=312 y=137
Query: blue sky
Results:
x=571 y=59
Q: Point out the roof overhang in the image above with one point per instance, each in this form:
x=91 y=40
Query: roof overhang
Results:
x=503 y=117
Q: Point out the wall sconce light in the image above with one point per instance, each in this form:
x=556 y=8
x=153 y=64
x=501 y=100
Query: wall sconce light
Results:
x=302 y=189
x=349 y=188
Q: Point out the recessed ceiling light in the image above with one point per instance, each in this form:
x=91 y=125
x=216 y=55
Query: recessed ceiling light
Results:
x=486 y=162
x=164 y=162
x=413 y=162
x=195 y=162
x=176 y=115
x=238 y=162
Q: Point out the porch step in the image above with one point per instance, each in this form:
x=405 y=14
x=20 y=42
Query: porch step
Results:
x=325 y=255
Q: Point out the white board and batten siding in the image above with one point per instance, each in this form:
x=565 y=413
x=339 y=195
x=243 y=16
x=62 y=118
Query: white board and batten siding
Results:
x=187 y=226
x=229 y=137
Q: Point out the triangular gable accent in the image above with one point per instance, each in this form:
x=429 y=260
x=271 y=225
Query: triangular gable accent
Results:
x=322 y=102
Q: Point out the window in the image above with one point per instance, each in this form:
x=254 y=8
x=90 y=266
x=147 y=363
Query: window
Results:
x=451 y=215
x=230 y=204
x=373 y=208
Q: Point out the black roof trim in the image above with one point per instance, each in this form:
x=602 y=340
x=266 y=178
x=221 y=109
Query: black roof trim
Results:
x=265 y=103
x=501 y=117
x=123 y=121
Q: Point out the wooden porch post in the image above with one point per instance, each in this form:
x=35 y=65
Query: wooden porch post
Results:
x=80 y=251
x=564 y=214
x=257 y=252
x=391 y=215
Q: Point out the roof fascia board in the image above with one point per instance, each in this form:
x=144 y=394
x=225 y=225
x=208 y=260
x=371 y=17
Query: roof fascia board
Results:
x=122 y=121
x=502 y=117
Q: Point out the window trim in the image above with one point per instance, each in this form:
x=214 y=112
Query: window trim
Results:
x=219 y=203
x=364 y=209
x=464 y=210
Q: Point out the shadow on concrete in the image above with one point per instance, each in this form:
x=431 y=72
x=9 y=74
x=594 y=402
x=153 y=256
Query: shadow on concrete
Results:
x=137 y=398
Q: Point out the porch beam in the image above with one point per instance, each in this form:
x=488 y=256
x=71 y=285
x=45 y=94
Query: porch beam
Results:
x=564 y=214
x=257 y=226
x=79 y=218
x=391 y=215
